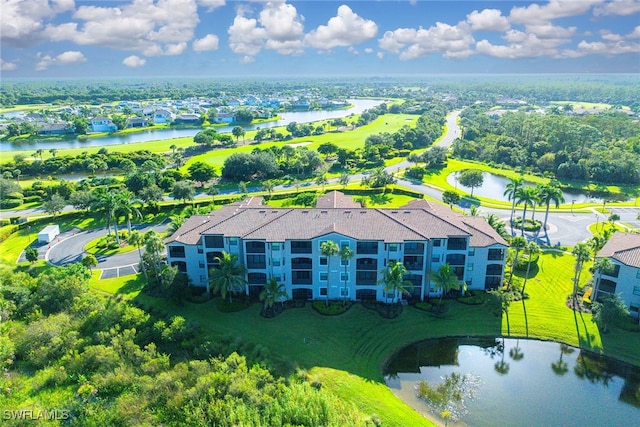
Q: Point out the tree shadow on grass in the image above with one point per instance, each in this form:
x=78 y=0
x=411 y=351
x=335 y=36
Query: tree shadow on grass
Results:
x=584 y=339
x=380 y=199
x=134 y=284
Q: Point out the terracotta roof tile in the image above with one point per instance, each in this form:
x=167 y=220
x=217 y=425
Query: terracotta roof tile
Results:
x=623 y=247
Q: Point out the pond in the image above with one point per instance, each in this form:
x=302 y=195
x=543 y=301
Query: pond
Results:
x=522 y=382
x=359 y=105
x=494 y=185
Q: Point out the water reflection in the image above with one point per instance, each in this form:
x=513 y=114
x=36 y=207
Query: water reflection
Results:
x=553 y=379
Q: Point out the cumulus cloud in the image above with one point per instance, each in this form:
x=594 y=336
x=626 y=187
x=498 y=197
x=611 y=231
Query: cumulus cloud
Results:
x=607 y=48
x=521 y=45
x=345 y=29
x=635 y=34
x=134 y=61
x=152 y=28
x=65 y=58
x=549 y=31
x=22 y=22
x=487 y=20
x=211 y=5
x=7 y=66
x=278 y=27
x=453 y=41
x=536 y=13
x=208 y=42
x=618 y=7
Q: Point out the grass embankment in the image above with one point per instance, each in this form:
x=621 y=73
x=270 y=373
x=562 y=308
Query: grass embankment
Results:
x=347 y=352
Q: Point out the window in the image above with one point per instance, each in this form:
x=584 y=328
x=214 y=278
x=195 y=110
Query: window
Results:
x=636 y=290
x=638 y=274
x=367 y=247
x=200 y=264
x=276 y=246
x=393 y=247
x=300 y=246
x=435 y=259
x=634 y=308
x=496 y=254
x=200 y=250
x=344 y=292
x=255 y=247
x=256 y=261
x=323 y=260
x=344 y=277
x=256 y=278
x=457 y=244
x=344 y=262
x=470 y=266
x=213 y=242
x=323 y=292
x=437 y=242
x=366 y=278
x=455 y=259
x=324 y=276
x=414 y=248
x=275 y=262
x=233 y=241
x=344 y=244
x=472 y=251
x=176 y=251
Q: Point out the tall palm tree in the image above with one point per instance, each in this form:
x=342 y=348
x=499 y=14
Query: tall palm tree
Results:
x=536 y=200
x=531 y=249
x=596 y=243
x=497 y=224
x=128 y=205
x=518 y=243
x=136 y=239
x=154 y=246
x=107 y=202
x=445 y=280
x=329 y=249
x=176 y=222
x=272 y=292
x=581 y=252
x=511 y=191
x=345 y=255
x=548 y=194
x=601 y=265
x=229 y=276
x=526 y=196
x=393 y=280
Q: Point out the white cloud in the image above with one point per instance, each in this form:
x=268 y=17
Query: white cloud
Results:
x=208 y=42
x=454 y=41
x=380 y=55
x=549 y=31
x=618 y=7
x=22 y=22
x=368 y=50
x=609 y=36
x=487 y=20
x=521 y=45
x=211 y=5
x=65 y=58
x=278 y=27
x=635 y=34
x=7 y=66
x=146 y=26
x=536 y=13
x=603 y=48
x=134 y=61
x=345 y=29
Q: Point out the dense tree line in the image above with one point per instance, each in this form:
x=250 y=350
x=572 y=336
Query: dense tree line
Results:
x=106 y=362
x=602 y=148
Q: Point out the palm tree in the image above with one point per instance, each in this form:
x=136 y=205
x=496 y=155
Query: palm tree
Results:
x=154 y=246
x=511 y=191
x=229 y=276
x=581 y=252
x=445 y=280
x=345 y=255
x=135 y=238
x=106 y=201
x=393 y=280
x=272 y=292
x=596 y=243
x=497 y=224
x=329 y=249
x=525 y=195
x=128 y=205
x=550 y=193
x=601 y=265
x=518 y=243
x=176 y=222
x=268 y=185
x=531 y=249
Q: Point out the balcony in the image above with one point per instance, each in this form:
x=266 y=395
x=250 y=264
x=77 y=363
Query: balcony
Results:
x=457 y=244
x=300 y=247
x=301 y=278
x=256 y=262
x=496 y=255
x=255 y=247
x=414 y=262
x=494 y=270
x=367 y=248
x=455 y=259
x=414 y=248
x=369 y=264
x=301 y=264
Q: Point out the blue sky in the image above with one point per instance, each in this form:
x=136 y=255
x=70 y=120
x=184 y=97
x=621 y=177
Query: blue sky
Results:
x=218 y=38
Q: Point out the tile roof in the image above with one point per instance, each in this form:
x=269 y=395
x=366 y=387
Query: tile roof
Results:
x=418 y=220
x=336 y=199
x=623 y=247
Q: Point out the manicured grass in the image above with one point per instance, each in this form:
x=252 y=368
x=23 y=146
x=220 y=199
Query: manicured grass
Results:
x=92 y=248
x=599 y=227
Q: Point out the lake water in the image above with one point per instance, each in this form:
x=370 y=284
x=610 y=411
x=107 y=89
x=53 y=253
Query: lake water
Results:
x=359 y=105
x=493 y=187
x=539 y=384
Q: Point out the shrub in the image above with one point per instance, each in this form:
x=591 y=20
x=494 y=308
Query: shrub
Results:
x=10 y=203
x=529 y=225
x=472 y=298
x=334 y=308
x=424 y=306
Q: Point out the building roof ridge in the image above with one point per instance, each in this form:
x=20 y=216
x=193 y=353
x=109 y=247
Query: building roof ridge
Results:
x=381 y=210
x=284 y=212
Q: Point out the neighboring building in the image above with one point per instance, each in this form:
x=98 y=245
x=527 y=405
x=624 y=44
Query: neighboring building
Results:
x=284 y=243
x=188 y=119
x=54 y=129
x=137 y=122
x=102 y=124
x=162 y=116
x=623 y=250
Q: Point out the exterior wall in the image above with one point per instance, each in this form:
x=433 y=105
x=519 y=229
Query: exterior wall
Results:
x=327 y=280
x=627 y=285
x=476 y=274
x=103 y=126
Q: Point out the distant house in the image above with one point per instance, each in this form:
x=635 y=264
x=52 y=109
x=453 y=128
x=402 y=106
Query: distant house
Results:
x=225 y=117
x=45 y=129
x=137 y=122
x=162 y=116
x=102 y=124
x=188 y=119
x=623 y=250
